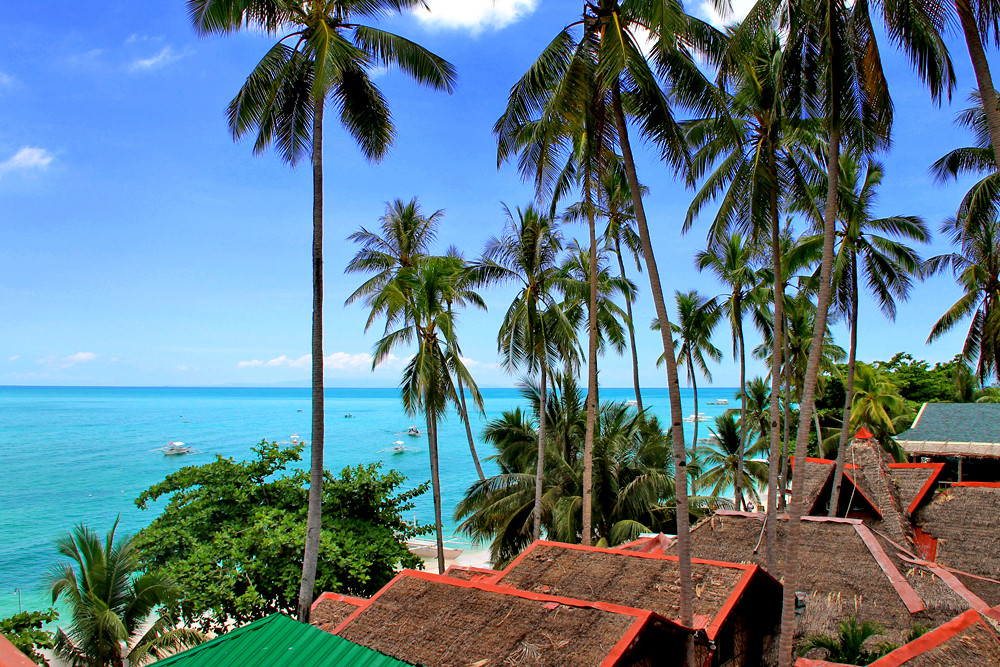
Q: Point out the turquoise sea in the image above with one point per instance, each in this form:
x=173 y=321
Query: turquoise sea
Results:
x=82 y=454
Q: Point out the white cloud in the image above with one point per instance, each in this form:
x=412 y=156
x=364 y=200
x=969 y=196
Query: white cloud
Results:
x=162 y=58
x=475 y=15
x=338 y=361
x=52 y=362
x=706 y=10
x=6 y=79
x=14 y=357
x=26 y=159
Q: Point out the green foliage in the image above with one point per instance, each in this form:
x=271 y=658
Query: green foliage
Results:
x=848 y=645
x=918 y=382
x=24 y=631
x=232 y=534
x=119 y=612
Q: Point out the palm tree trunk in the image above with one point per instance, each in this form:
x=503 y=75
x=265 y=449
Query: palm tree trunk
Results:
x=791 y=572
x=631 y=330
x=694 y=390
x=819 y=434
x=776 y=354
x=314 y=513
x=673 y=383
x=845 y=429
x=785 y=451
x=588 y=441
x=468 y=430
x=536 y=531
x=432 y=448
x=743 y=407
x=984 y=80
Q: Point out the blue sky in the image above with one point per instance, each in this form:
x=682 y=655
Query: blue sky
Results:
x=142 y=246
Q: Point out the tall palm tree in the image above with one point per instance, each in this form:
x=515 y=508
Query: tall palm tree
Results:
x=697 y=318
x=876 y=403
x=976 y=268
x=732 y=262
x=723 y=464
x=866 y=246
x=574 y=283
x=535 y=334
x=323 y=52
x=111 y=603
x=420 y=295
x=578 y=85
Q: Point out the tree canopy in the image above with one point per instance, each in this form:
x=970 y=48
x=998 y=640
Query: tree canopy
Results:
x=232 y=532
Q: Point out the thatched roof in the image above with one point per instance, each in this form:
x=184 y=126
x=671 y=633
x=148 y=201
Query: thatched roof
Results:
x=439 y=621
x=844 y=567
x=469 y=573
x=638 y=580
x=954 y=429
x=330 y=609
x=915 y=481
x=964 y=519
x=814 y=477
x=969 y=640
x=871 y=474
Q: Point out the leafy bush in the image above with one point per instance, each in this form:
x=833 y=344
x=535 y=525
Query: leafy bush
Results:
x=232 y=534
x=24 y=631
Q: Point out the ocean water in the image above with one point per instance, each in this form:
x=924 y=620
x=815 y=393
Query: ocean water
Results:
x=83 y=454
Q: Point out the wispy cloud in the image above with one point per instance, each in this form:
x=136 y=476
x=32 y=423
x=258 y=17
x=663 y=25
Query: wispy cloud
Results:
x=6 y=80
x=161 y=58
x=14 y=357
x=706 y=10
x=27 y=159
x=338 y=361
x=475 y=15
x=53 y=362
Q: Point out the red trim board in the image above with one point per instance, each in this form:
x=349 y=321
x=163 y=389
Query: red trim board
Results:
x=928 y=485
x=906 y=593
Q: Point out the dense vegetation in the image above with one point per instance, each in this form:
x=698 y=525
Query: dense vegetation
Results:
x=231 y=534
x=25 y=631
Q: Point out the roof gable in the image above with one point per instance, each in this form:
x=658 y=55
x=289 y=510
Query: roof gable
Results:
x=949 y=429
x=915 y=481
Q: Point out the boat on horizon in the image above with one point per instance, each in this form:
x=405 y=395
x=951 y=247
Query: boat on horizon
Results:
x=721 y=401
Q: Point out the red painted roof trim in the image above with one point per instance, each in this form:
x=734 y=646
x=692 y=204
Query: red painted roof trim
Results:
x=642 y=616
x=931 y=640
x=813 y=459
x=863 y=434
x=980 y=485
x=928 y=485
x=350 y=599
x=906 y=593
x=863 y=494
x=635 y=543
x=11 y=657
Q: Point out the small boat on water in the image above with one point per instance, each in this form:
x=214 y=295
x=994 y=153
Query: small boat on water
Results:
x=721 y=401
x=632 y=403
x=175 y=449
x=295 y=439
x=413 y=431
x=700 y=417
x=398 y=447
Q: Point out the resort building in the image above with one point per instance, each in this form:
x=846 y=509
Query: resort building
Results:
x=964 y=435
x=561 y=604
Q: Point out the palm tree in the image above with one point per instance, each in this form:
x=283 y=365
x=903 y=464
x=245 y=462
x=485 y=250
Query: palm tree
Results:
x=111 y=602
x=976 y=267
x=876 y=402
x=887 y=264
x=575 y=87
x=697 y=317
x=631 y=487
x=321 y=53
x=724 y=467
x=732 y=264
x=420 y=295
x=848 y=646
x=535 y=333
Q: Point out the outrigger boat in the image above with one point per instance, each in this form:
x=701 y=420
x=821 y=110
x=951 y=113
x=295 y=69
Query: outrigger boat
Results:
x=413 y=431
x=700 y=417
x=397 y=448
x=721 y=401
x=175 y=449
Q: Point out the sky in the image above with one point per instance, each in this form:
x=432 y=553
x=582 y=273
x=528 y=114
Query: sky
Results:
x=141 y=245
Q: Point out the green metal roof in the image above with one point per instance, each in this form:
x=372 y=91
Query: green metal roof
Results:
x=955 y=423
x=280 y=641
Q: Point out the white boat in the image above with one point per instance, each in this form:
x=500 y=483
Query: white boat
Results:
x=721 y=401
x=632 y=403
x=413 y=431
x=294 y=439
x=700 y=417
x=175 y=449
x=398 y=447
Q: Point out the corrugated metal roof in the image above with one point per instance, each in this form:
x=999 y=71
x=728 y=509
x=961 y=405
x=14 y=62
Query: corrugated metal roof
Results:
x=952 y=429
x=280 y=641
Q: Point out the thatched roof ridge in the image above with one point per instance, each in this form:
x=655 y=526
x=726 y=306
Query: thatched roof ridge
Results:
x=646 y=581
x=873 y=477
x=915 y=481
x=330 y=609
x=965 y=641
x=471 y=573
x=439 y=621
